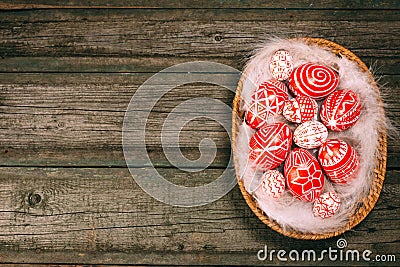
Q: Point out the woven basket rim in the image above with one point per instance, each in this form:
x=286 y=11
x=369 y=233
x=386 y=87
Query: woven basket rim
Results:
x=367 y=203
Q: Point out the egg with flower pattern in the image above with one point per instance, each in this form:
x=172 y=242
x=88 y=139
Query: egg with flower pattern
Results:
x=304 y=177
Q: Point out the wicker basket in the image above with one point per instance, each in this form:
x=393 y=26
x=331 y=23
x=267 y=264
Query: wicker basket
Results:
x=365 y=205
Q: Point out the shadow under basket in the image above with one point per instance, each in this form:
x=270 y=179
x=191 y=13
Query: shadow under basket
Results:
x=364 y=205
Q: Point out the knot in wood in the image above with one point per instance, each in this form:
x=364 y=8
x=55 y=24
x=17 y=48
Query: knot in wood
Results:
x=218 y=37
x=34 y=199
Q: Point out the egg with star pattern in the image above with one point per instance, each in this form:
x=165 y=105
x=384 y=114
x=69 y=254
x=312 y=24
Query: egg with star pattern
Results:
x=266 y=103
x=303 y=174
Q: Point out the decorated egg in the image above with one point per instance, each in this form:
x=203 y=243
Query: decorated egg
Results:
x=270 y=145
x=300 y=109
x=267 y=102
x=338 y=160
x=310 y=134
x=326 y=205
x=304 y=177
x=340 y=110
x=281 y=65
x=273 y=183
x=313 y=80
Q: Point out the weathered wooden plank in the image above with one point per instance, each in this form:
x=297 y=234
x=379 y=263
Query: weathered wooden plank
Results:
x=130 y=64
x=52 y=118
x=380 y=65
x=205 y=15
x=102 y=209
x=101 y=157
x=129 y=35
x=307 y=4
x=80 y=107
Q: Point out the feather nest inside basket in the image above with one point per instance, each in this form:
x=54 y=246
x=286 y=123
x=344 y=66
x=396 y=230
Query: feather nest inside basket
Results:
x=288 y=211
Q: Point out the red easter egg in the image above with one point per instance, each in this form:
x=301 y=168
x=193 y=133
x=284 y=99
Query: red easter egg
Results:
x=281 y=65
x=300 y=109
x=273 y=183
x=326 y=205
x=270 y=145
x=313 y=80
x=310 y=134
x=341 y=110
x=266 y=102
x=304 y=177
x=339 y=160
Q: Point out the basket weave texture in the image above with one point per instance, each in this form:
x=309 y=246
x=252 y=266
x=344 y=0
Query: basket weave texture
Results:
x=366 y=204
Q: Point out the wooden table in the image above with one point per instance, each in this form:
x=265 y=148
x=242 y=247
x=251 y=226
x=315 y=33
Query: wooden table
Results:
x=68 y=71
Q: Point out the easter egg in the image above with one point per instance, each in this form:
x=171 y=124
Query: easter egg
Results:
x=341 y=110
x=310 y=134
x=266 y=102
x=281 y=65
x=313 y=80
x=339 y=160
x=326 y=205
x=273 y=183
x=270 y=145
x=304 y=177
x=300 y=109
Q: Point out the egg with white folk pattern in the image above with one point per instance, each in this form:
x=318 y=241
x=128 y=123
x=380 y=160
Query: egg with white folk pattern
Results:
x=300 y=109
x=273 y=183
x=310 y=134
x=266 y=102
x=281 y=65
x=270 y=145
x=341 y=110
x=304 y=177
x=326 y=205
x=339 y=160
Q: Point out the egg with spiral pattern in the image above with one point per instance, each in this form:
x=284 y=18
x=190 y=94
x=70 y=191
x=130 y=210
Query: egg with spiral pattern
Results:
x=313 y=80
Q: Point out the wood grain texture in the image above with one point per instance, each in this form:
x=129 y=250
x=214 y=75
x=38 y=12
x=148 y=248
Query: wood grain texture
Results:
x=379 y=65
x=307 y=4
x=102 y=209
x=119 y=33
